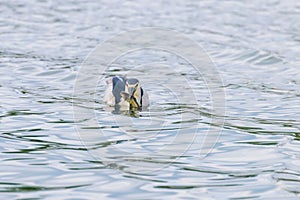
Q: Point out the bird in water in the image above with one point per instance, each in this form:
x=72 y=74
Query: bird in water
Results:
x=126 y=93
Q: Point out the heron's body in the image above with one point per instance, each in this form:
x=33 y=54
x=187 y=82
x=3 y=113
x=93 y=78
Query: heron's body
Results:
x=126 y=93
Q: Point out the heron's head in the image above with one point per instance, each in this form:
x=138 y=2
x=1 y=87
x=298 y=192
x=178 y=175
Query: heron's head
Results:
x=133 y=88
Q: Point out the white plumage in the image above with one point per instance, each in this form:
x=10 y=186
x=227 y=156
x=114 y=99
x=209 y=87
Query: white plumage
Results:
x=127 y=93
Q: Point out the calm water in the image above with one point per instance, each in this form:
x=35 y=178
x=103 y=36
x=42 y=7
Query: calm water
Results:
x=255 y=46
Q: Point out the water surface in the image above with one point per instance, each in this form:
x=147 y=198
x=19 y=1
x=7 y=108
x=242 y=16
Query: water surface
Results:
x=255 y=46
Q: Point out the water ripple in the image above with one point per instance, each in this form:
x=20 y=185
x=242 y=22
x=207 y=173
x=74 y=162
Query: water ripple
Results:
x=255 y=46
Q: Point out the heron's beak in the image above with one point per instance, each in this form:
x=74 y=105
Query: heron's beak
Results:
x=131 y=91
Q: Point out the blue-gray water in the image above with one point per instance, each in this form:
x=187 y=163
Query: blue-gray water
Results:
x=255 y=46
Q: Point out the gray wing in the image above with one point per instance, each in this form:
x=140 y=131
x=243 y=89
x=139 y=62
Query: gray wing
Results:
x=118 y=87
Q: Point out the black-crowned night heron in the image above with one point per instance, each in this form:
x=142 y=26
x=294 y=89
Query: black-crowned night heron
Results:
x=125 y=92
